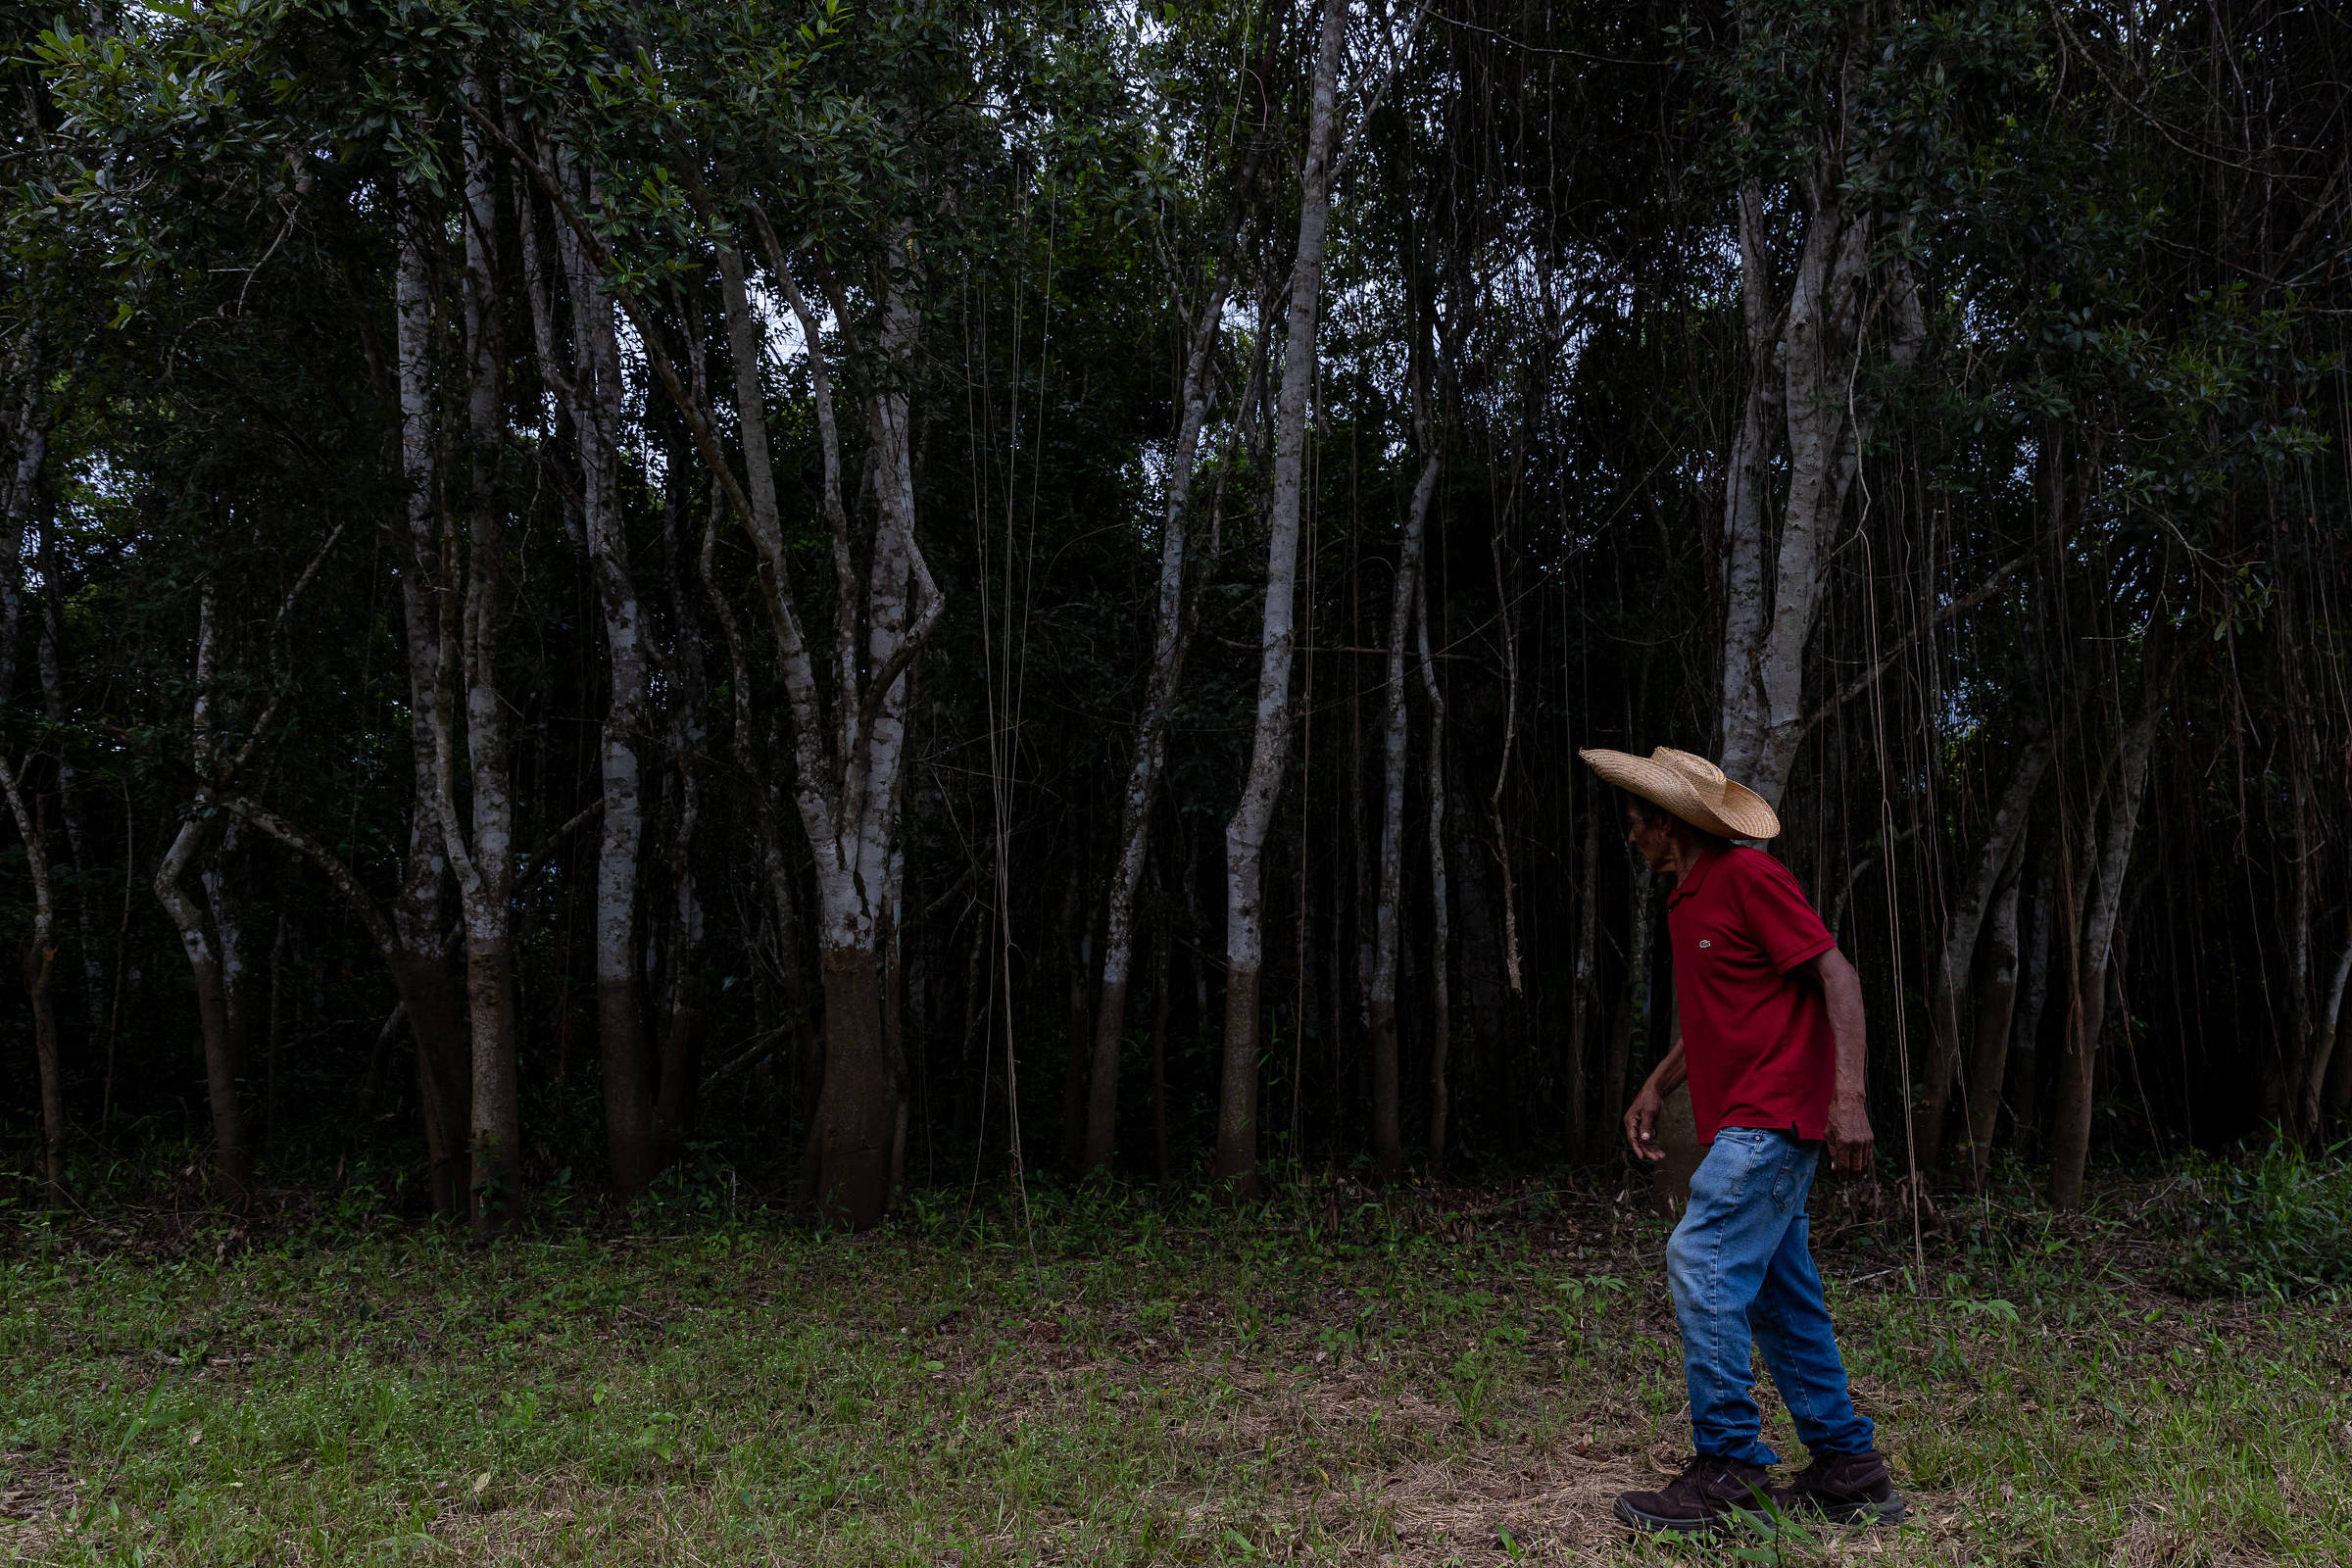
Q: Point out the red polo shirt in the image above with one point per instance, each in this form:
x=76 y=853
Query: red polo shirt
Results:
x=1755 y=1034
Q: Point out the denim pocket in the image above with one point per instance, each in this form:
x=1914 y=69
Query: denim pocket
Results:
x=1795 y=1180
x=1732 y=1166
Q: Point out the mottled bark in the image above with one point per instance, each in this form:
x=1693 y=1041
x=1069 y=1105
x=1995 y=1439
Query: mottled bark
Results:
x=685 y=1017
x=1440 y=915
x=482 y=850
x=1269 y=756
x=845 y=763
x=453 y=586
x=777 y=873
x=1584 y=1134
x=1077 y=1020
x=41 y=962
x=2097 y=900
x=232 y=1155
x=429 y=608
x=1954 y=958
x=597 y=405
x=1747 y=481
x=233 y=1158
x=69 y=789
x=2038 y=922
x=220 y=896
x=1634 y=1000
x=1171 y=640
x=1996 y=1018
x=1388 y=1130
x=24 y=484
x=1804 y=359
x=2327 y=1048
x=1162 y=983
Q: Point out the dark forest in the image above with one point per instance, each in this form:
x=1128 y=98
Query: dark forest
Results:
x=856 y=598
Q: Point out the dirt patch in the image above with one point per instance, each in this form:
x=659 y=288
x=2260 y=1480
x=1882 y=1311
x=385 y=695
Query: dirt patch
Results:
x=34 y=1501
x=1499 y=1506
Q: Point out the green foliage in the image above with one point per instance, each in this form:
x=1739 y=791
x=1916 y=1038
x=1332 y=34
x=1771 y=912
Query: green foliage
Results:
x=1115 y=1381
x=2276 y=1222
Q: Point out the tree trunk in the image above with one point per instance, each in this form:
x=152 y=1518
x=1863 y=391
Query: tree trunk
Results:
x=1584 y=1134
x=858 y=1117
x=40 y=952
x=1747 y=479
x=1957 y=956
x=273 y=1130
x=1440 y=915
x=1103 y=1080
x=69 y=791
x=847 y=764
x=777 y=872
x=229 y=933
x=485 y=858
x=223 y=1058
x=2285 y=1064
x=1388 y=1131
x=1078 y=952
x=2093 y=935
x=1997 y=1015
x=855 y=864
x=233 y=1158
x=1171 y=638
x=1490 y=1069
x=2326 y=1046
x=1162 y=981
x=437 y=1026
x=1634 y=1000
x=685 y=1018
x=2040 y=922
x=429 y=608
x=1802 y=363
x=598 y=398
x=41 y=962
x=2339 y=1071
x=1269 y=755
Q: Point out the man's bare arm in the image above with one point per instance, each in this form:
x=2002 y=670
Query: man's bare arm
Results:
x=1641 y=1117
x=1850 y=1139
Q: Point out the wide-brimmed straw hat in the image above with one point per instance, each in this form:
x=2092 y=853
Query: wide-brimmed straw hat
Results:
x=1691 y=788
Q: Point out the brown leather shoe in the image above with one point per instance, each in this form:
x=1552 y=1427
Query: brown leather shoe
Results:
x=1849 y=1489
x=1702 y=1499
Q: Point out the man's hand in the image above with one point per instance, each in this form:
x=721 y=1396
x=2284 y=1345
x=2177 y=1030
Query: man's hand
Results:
x=1641 y=1124
x=1849 y=1136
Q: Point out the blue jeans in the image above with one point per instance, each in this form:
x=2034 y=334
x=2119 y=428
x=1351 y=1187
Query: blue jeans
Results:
x=1743 y=1275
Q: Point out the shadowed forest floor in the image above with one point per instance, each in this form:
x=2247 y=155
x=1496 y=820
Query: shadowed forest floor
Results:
x=1450 y=1377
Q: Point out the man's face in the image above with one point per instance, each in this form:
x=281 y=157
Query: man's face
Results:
x=1653 y=840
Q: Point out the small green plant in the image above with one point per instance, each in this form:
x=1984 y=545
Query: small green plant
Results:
x=2277 y=1223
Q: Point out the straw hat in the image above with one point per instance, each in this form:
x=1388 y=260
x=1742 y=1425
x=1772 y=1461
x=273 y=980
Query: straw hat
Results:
x=1691 y=788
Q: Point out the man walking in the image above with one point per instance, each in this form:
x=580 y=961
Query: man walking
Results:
x=1771 y=1042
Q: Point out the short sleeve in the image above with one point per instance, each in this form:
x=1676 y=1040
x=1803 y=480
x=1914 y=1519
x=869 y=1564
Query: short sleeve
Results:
x=1780 y=916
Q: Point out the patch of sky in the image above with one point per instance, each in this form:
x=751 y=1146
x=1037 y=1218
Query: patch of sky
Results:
x=781 y=339
x=97 y=497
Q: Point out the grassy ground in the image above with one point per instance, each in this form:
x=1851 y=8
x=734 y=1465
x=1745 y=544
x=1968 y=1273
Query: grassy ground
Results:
x=1446 y=1378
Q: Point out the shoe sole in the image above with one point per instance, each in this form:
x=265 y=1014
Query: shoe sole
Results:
x=1656 y=1524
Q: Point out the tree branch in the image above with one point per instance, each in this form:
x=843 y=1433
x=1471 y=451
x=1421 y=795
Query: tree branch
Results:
x=372 y=916
x=1957 y=608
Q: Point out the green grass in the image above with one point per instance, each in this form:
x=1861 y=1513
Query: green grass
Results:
x=1326 y=1379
